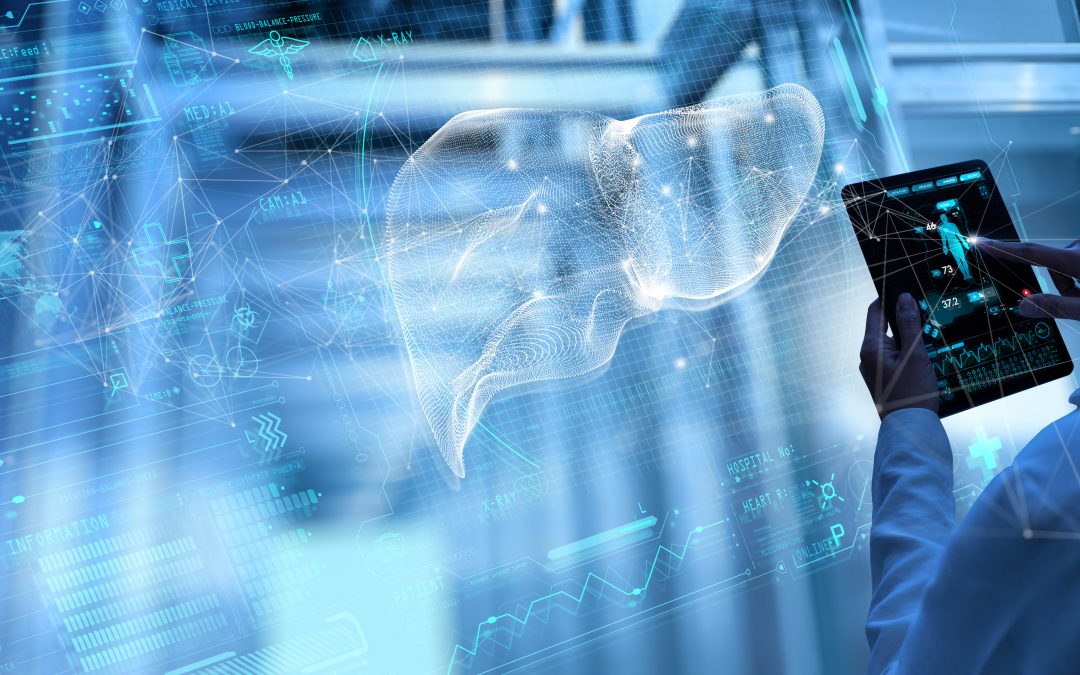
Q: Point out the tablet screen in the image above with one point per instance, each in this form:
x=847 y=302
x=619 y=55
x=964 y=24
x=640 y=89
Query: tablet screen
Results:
x=919 y=233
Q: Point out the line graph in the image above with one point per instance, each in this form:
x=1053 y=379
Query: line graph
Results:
x=590 y=578
x=959 y=358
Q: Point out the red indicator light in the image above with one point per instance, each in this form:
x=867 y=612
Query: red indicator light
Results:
x=1025 y=292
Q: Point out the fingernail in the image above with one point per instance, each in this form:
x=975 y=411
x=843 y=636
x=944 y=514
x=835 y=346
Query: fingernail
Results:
x=907 y=302
x=1029 y=309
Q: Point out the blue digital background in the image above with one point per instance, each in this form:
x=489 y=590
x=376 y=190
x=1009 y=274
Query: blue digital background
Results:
x=213 y=458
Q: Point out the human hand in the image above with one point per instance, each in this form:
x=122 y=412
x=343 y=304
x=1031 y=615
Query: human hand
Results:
x=897 y=369
x=1064 y=267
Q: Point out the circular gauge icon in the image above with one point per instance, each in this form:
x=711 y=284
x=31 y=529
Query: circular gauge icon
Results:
x=1042 y=330
x=205 y=370
x=241 y=361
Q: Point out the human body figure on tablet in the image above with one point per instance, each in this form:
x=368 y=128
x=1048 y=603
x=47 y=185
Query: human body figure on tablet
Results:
x=955 y=244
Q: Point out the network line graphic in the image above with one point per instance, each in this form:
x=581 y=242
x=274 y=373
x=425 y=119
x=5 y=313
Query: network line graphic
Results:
x=272 y=275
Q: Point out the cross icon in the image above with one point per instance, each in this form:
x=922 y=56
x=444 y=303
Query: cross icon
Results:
x=983 y=452
x=170 y=258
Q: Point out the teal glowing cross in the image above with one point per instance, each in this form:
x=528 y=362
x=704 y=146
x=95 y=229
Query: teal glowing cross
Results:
x=983 y=453
x=170 y=258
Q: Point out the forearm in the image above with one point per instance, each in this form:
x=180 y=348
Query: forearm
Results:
x=913 y=517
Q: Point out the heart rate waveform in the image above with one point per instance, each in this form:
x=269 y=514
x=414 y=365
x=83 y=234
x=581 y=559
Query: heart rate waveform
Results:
x=959 y=357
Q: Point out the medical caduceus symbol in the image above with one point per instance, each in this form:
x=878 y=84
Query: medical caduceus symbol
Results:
x=280 y=46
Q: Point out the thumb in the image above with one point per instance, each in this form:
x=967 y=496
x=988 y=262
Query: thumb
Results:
x=1043 y=305
x=908 y=322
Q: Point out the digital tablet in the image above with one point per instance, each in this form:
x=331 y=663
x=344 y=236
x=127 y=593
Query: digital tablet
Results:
x=919 y=233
